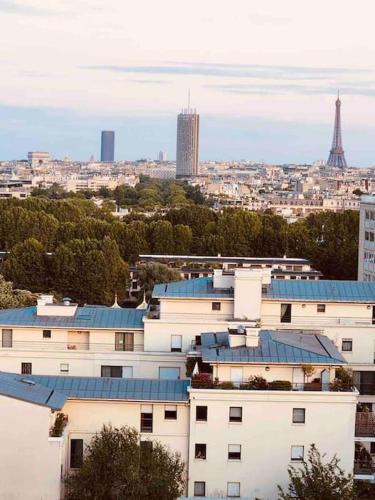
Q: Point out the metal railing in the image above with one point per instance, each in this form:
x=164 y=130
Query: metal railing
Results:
x=366 y=389
x=279 y=385
x=365 y=424
x=318 y=319
x=47 y=345
x=364 y=467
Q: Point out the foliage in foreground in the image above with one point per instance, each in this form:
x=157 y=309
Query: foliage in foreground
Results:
x=117 y=467
x=316 y=480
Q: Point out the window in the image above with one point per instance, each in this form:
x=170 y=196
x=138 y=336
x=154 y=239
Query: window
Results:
x=372 y=448
x=321 y=308
x=286 y=313
x=170 y=412
x=111 y=371
x=146 y=418
x=299 y=415
x=200 y=451
x=201 y=413
x=297 y=453
x=127 y=372
x=233 y=490
x=235 y=414
x=64 y=367
x=76 y=453
x=216 y=306
x=347 y=345
x=26 y=368
x=199 y=489
x=124 y=341
x=169 y=373
x=7 y=338
x=46 y=334
x=176 y=343
x=234 y=452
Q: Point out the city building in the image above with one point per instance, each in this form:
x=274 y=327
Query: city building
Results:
x=336 y=155
x=107 y=153
x=187 y=162
x=162 y=156
x=366 y=243
x=38 y=158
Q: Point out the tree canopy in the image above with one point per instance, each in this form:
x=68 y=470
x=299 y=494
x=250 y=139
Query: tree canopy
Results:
x=118 y=466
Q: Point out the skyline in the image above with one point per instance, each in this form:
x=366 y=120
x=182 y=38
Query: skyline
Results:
x=265 y=65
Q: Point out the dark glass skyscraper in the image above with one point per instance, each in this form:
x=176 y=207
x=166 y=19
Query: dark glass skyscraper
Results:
x=187 y=163
x=108 y=146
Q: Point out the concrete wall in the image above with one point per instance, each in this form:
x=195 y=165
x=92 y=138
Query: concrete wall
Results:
x=30 y=461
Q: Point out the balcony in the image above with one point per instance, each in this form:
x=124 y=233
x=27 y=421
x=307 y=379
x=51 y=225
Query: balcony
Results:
x=47 y=346
x=365 y=424
x=364 y=468
x=318 y=320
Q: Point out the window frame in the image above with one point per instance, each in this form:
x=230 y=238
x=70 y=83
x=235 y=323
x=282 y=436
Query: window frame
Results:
x=286 y=317
x=112 y=368
x=322 y=308
x=229 y=494
x=198 y=408
x=346 y=342
x=236 y=455
x=203 y=451
x=170 y=414
x=5 y=340
x=170 y=368
x=26 y=368
x=216 y=306
x=47 y=334
x=235 y=419
x=201 y=493
x=176 y=348
x=64 y=371
x=122 y=343
x=80 y=457
x=295 y=418
x=147 y=419
x=299 y=459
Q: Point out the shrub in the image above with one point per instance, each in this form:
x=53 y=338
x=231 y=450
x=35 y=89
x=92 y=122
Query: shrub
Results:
x=225 y=385
x=280 y=385
x=256 y=382
x=202 y=381
x=345 y=375
x=61 y=421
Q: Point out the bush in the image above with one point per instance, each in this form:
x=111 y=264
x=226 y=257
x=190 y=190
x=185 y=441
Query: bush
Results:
x=280 y=385
x=226 y=385
x=344 y=375
x=61 y=421
x=256 y=383
x=202 y=381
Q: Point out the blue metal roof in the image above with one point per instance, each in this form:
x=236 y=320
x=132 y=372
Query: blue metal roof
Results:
x=23 y=388
x=274 y=347
x=115 y=388
x=198 y=287
x=85 y=317
x=321 y=290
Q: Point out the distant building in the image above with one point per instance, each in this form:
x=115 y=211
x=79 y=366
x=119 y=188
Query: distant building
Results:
x=336 y=154
x=38 y=158
x=108 y=146
x=366 y=243
x=162 y=156
x=187 y=144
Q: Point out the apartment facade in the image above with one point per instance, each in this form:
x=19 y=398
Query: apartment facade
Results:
x=366 y=243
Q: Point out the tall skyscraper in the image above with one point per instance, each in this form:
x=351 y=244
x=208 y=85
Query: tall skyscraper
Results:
x=108 y=146
x=336 y=155
x=162 y=156
x=187 y=143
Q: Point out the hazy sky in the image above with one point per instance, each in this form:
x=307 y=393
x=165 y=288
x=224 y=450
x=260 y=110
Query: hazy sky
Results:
x=263 y=75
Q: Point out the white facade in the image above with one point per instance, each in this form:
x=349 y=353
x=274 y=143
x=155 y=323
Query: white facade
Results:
x=366 y=246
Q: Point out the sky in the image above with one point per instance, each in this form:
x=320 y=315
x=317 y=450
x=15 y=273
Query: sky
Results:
x=263 y=74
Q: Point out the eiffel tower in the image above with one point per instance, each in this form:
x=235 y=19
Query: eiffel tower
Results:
x=336 y=155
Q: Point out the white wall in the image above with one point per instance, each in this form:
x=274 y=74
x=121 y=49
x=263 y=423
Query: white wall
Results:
x=30 y=461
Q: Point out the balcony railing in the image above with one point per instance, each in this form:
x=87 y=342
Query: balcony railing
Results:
x=364 y=468
x=366 y=389
x=318 y=319
x=365 y=424
x=47 y=345
x=276 y=385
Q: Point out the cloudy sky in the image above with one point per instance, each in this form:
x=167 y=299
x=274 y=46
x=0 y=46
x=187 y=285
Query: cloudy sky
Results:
x=263 y=74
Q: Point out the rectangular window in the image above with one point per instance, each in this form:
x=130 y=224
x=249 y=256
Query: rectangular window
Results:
x=170 y=412
x=372 y=448
x=216 y=306
x=111 y=371
x=199 y=489
x=7 y=337
x=64 y=368
x=347 y=345
x=286 y=313
x=46 y=334
x=200 y=451
x=26 y=368
x=201 y=413
x=367 y=236
x=169 y=373
x=373 y=316
x=321 y=308
x=127 y=372
x=235 y=414
x=146 y=418
x=234 y=452
x=124 y=341
x=176 y=343
x=299 y=415
x=297 y=453
x=233 y=490
x=76 y=453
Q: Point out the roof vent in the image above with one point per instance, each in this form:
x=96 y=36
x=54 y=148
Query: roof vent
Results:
x=67 y=301
x=241 y=330
x=27 y=381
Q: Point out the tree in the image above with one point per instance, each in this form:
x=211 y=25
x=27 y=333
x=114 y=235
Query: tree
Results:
x=116 y=466
x=10 y=298
x=151 y=274
x=317 y=480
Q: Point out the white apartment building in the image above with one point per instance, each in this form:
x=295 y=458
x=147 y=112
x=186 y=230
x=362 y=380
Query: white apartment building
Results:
x=366 y=246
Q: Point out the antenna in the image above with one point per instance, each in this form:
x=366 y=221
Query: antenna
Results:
x=189 y=101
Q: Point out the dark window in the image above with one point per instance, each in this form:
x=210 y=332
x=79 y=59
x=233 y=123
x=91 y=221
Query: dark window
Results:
x=201 y=413
x=372 y=448
x=76 y=453
x=299 y=415
x=373 y=315
x=200 y=451
x=234 y=452
x=216 y=306
x=286 y=313
x=235 y=414
x=124 y=341
x=321 y=308
x=46 y=334
x=146 y=418
x=199 y=489
x=347 y=345
x=111 y=371
x=7 y=338
x=198 y=340
x=134 y=285
x=26 y=368
x=170 y=412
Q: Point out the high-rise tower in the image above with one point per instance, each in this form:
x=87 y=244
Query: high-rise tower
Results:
x=187 y=164
x=336 y=155
x=108 y=146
